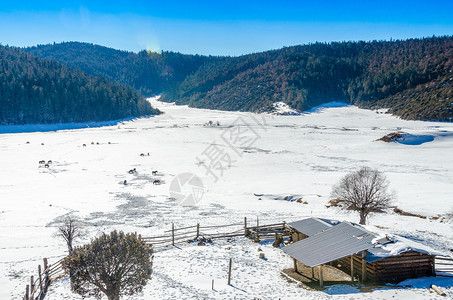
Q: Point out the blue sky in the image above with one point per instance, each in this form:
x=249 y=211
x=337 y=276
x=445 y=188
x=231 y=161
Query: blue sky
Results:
x=219 y=27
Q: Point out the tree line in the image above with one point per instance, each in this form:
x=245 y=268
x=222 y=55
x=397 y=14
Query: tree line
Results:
x=413 y=78
x=34 y=90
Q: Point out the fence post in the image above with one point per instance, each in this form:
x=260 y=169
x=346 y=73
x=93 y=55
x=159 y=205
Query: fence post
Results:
x=32 y=286
x=198 y=230
x=46 y=278
x=40 y=278
x=229 y=272
x=27 y=292
x=352 y=268
x=257 y=225
x=321 y=277
x=45 y=263
x=172 y=234
x=363 y=266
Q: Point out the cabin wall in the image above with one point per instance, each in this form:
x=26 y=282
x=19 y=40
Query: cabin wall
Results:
x=297 y=236
x=407 y=265
x=344 y=264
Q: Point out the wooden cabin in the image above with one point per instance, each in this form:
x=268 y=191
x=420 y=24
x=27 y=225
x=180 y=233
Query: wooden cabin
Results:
x=365 y=255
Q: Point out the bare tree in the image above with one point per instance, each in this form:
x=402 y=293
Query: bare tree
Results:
x=114 y=264
x=364 y=191
x=70 y=229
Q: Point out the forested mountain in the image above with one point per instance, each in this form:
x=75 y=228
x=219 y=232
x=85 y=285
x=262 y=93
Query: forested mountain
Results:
x=413 y=77
x=148 y=72
x=34 y=90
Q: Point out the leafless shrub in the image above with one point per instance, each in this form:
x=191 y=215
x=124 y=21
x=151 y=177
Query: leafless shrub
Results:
x=70 y=229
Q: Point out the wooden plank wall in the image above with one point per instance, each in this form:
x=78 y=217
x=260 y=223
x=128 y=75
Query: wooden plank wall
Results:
x=344 y=264
x=409 y=264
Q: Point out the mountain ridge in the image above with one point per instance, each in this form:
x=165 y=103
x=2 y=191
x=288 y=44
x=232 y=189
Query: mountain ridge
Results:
x=413 y=78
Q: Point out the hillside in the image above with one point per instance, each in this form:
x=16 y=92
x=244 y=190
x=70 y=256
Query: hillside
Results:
x=148 y=72
x=33 y=90
x=412 y=78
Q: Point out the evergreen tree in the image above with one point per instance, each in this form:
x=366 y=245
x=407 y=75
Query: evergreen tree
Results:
x=114 y=264
x=34 y=90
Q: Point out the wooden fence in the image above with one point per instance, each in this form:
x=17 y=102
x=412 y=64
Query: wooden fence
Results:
x=37 y=289
x=443 y=266
x=38 y=286
x=175 y=236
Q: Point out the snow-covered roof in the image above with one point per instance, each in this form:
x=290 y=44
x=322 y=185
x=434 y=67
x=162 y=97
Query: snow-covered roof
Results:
x=341 y=239
x=386 y=245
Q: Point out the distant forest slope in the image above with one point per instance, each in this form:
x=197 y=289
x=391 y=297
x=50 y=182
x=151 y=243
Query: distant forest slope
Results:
x=148 y=72
x=413 y=78
x=33 y=90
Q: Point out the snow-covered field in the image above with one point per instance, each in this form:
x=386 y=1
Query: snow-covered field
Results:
x=276 y=156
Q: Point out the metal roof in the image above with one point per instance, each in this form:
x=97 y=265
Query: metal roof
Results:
x=334 y=243
x=331 y=240
x=311 y=226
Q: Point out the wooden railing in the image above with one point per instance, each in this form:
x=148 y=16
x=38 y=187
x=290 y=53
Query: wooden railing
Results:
x=443 y=266
x=175 y=236
x=38 y=287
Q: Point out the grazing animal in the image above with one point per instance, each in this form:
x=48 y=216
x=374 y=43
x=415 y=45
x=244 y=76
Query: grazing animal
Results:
x=157 y=181
x=154 y=172
x=109 y=143
x=148 y=153
x=42 y=144
x=92 y=143
x=142 y=154
x=84 y=145
x=125 y=182
x=28 y=142
x=42 y=162
x=46 y=165
x=97 y=143
x=49 y=162
x=132 y=171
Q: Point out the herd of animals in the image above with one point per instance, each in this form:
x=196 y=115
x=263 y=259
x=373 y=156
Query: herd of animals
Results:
x=47 y=164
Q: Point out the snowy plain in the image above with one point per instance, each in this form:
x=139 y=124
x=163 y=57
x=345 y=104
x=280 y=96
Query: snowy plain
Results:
x=299 y=155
